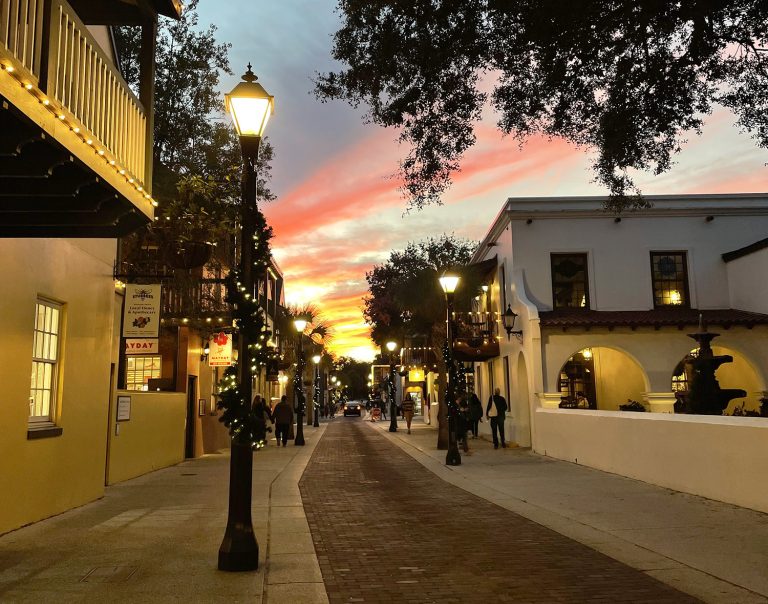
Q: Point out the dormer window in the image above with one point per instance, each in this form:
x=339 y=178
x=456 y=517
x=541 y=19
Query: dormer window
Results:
x=669 y=273
x=570 y=284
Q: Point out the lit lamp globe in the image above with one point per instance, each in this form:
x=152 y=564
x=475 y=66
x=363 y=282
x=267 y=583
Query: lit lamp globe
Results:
x=250 y=107
x=448 y=282
x=300 y=325
x=316 y=359
x=391 y=346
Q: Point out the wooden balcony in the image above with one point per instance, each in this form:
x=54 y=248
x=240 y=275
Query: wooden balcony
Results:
x=475 y=336
x=75 y=141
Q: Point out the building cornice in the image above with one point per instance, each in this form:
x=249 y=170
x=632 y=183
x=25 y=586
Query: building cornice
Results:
x=582 y=207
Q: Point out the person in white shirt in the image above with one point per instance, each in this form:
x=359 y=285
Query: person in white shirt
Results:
x=496 y=412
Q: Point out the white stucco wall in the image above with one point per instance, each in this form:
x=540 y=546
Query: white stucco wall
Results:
x=619 y=255
x=748 y=281
x=721 y=458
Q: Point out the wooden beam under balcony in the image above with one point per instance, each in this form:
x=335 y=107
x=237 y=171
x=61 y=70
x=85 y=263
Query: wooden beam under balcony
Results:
x=45 y=191
x=75 y=141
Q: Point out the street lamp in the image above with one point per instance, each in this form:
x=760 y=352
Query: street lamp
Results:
x=298 y=387
x=508 y=320
x=449 y=282
x=391 y=347
x=316 y=394
x=250 y=106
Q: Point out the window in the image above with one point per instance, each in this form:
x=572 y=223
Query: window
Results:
x=45 y=362
x=140 y=369
x=570 y=287
x=669 y=272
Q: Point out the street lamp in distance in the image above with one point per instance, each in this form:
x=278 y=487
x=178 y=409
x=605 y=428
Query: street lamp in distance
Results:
x=298 y=386
x=316 y=393
x=391 y=347
x=448 y=282
x=250 y=107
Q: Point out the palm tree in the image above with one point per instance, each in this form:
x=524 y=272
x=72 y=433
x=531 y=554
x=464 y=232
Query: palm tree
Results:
x=318 y=331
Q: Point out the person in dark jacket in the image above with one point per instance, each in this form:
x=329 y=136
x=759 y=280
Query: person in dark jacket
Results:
x=475 y=413
x=263 y=418
x=283 y=415
x=463 y=423
x=496 y=412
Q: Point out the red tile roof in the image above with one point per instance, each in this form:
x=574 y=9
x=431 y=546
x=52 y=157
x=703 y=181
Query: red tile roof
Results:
x=676 y=317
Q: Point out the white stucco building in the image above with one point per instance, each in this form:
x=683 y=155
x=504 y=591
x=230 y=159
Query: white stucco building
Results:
x=605 y=305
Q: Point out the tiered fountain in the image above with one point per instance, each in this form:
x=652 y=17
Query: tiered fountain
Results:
x=705 y=397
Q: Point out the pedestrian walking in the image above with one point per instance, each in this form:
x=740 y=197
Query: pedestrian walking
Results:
x=383 y=407
x=463 y=423
x=475 y=413
x=283 y=416
x=407 y=407
x=495 y=412
x=263 y=418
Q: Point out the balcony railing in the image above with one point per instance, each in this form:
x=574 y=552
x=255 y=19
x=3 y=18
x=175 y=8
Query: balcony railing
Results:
x=196 y=299
x=55 y=57
x=475 y=335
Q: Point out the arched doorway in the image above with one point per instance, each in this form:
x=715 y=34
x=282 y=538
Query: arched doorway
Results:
x=739 y=374
x=601 y=378
x=521 y=409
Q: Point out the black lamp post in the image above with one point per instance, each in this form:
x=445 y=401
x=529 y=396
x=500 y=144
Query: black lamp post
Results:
x=250 y=106
x=391 y=346
x=316 y=393
x=298 y=383
x=452 y=458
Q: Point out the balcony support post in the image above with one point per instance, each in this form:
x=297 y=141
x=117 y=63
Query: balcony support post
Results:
x=147 y=94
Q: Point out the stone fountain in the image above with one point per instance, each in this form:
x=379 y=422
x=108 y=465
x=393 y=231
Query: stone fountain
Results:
x=705 y=397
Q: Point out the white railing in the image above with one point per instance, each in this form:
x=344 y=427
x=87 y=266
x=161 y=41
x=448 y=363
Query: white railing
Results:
x=21 y=31
x=88 y=85
x=80 y=79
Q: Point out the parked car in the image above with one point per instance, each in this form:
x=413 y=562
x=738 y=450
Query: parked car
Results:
x=353 y=408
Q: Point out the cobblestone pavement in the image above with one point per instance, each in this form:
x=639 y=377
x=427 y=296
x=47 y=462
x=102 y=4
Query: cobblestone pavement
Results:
x=387 y=530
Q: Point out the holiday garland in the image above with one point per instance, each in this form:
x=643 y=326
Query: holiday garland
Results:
x=250 y=320
x=238 y=416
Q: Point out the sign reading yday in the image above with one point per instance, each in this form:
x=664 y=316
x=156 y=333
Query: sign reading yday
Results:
x=220 y=350
x=142 y=346
x=141 y=318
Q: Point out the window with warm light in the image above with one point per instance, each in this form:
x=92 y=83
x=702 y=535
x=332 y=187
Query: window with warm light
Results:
x=140 y=369
x=46 y=344
x=570 y=285
x=669 y=273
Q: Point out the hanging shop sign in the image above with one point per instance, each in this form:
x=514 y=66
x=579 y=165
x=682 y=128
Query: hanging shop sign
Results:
x=141 y=317
x=220 y=350
x=142 y=346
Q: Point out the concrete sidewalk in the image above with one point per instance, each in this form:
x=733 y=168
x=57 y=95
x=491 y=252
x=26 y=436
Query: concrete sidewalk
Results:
x=156 y=539
x=715 y=551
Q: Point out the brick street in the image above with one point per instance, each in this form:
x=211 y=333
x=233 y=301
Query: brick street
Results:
x=387 y=530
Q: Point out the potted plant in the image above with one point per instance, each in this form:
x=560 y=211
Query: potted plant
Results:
x=631 y=405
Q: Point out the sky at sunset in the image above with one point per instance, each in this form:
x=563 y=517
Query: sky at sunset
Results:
x=339 y=211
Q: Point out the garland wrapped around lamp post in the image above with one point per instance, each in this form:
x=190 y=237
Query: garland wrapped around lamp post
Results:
x=298 y=386
x=250 y=107
x=316 y=391
x=392 y=387
x=449 y=282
